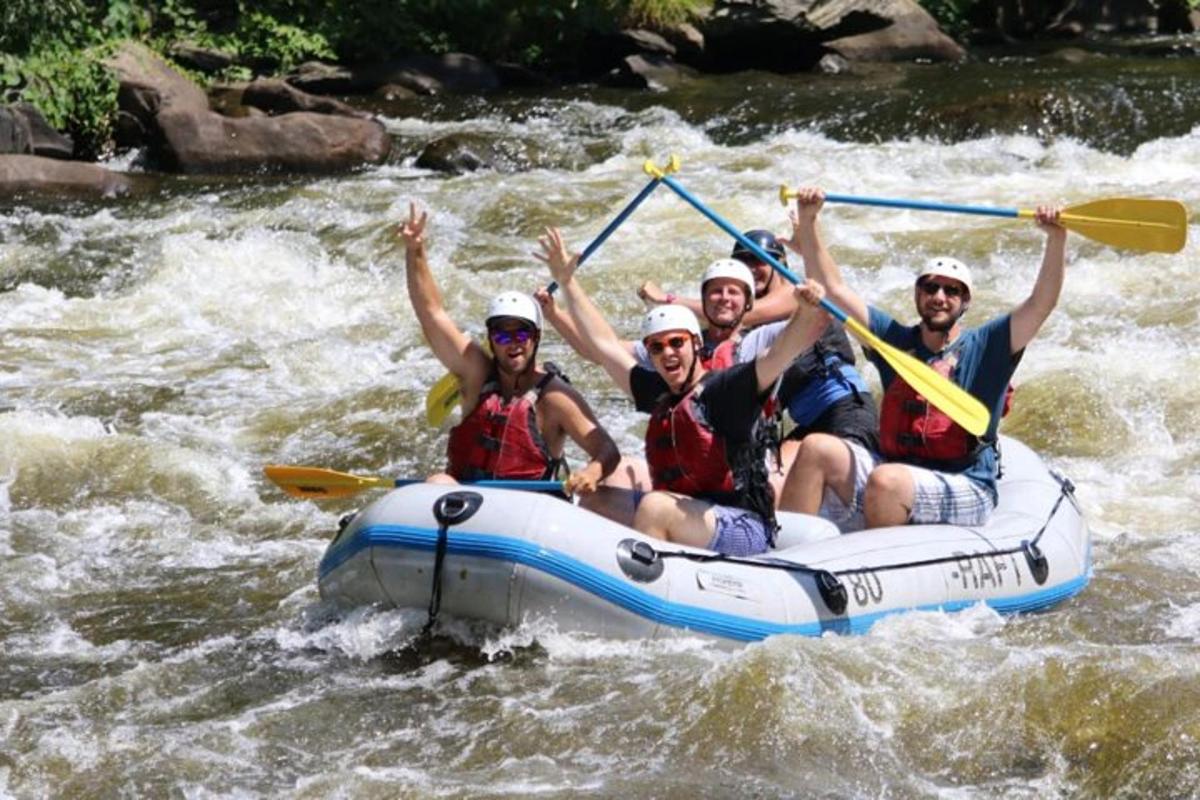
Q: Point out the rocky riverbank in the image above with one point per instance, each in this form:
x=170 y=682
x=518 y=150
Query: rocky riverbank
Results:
x=292 y=123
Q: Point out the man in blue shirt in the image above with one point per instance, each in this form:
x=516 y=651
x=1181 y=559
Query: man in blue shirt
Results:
x=929 y=469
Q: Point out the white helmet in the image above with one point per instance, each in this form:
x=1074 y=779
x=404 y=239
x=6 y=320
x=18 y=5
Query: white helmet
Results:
x=515 y=305
x=947 y=267
x=730 y=268
x=669 y=318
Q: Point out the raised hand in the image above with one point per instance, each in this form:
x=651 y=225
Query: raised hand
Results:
x=809 y=200
x=653 y=294
x=809 y=292
x=1048 y=219
x=555 y=255
x=412 y=230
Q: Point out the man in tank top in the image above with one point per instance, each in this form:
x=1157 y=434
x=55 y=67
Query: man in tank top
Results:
x=516 y=414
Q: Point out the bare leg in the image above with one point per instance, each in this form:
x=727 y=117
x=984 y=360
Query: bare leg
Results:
x=676 y=518
x=890 y=495
x=617 y=496
x=787 y=457
x=824 y=460
x=441 y=477
x=619 y=505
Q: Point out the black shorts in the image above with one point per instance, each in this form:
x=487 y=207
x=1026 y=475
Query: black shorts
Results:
x=852 y=417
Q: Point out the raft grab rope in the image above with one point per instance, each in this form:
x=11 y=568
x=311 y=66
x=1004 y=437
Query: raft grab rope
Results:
x=832 y=590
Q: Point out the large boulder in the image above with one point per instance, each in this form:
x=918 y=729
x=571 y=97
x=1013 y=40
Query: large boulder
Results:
x=603 y=52
x=454 y=73
x=423 y=74
x=148 y=85
x=35 y=175
x=210 y=143
x=793 y=35
x=648 y=71
x=44 y=140
x=279 y=97
x=910 y=35
x=15 y=136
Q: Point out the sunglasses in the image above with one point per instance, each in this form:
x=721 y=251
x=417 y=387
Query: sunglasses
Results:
x=657 y=347
x=501 y=337
x=931 y=288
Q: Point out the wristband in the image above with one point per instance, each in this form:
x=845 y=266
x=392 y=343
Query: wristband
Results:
x=669 y=299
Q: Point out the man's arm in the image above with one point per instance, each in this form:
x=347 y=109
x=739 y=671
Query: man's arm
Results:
x=651 y=293
x=457 y=352
x=1027 y=318
x=605 y=347
x=802 y=330
x=772 y=308
x=575 y=416
x=818 y=263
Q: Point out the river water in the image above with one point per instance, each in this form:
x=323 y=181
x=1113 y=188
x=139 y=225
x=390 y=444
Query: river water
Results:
x=160 y=630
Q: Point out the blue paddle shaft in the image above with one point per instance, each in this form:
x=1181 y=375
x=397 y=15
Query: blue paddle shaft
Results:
x=612 y=226
x=525 y=486
x=922 y=205
x=749 y=244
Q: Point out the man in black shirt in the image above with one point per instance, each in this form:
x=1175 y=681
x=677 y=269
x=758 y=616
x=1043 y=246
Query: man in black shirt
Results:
x=703 y=443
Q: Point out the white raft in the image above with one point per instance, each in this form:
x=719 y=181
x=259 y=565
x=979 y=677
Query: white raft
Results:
x=512 y=556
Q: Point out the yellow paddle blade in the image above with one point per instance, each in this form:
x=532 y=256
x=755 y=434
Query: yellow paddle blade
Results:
x=441 y=400
x=314 y=483
x=1131 y=223
x=953 y=400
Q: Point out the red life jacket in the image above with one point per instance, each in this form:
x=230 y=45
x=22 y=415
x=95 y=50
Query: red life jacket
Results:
x=499 y=440
x=913 y=430
x=684 y=454
x=723 y=356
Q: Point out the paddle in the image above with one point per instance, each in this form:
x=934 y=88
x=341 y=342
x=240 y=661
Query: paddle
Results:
x=445 y=395
x=948 y=396
x=1131 y=223
x=315 y=483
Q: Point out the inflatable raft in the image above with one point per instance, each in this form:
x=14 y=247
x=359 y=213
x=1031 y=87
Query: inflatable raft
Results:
x=506 y=557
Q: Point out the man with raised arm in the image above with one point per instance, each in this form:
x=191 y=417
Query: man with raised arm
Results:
x=746 y=306
x=929 y=469
x=703 y=442
x=516 y=415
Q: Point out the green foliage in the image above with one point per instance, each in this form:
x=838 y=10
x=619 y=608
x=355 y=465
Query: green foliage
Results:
x=262 y=36
x=26 y=23
x=953 y=16
x=659 y=14
x=71 y=88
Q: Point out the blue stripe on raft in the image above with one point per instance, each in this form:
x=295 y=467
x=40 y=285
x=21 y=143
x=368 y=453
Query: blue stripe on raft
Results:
x=628 y=596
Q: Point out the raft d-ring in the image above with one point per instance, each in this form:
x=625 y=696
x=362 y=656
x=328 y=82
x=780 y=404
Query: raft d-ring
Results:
x=639 y=560
x=455 y=507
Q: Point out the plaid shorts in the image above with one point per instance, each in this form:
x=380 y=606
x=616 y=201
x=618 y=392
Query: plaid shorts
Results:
x=739 y=532
x=850 y=517
x=949 y=498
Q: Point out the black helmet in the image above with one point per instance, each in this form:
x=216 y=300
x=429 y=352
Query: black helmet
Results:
x=765 y=240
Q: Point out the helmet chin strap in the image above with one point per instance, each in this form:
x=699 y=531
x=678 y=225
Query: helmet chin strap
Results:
x=687 y=383
x=767 y=285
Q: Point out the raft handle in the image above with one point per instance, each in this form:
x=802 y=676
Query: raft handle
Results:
x=1039 y=567
x=832 y=591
